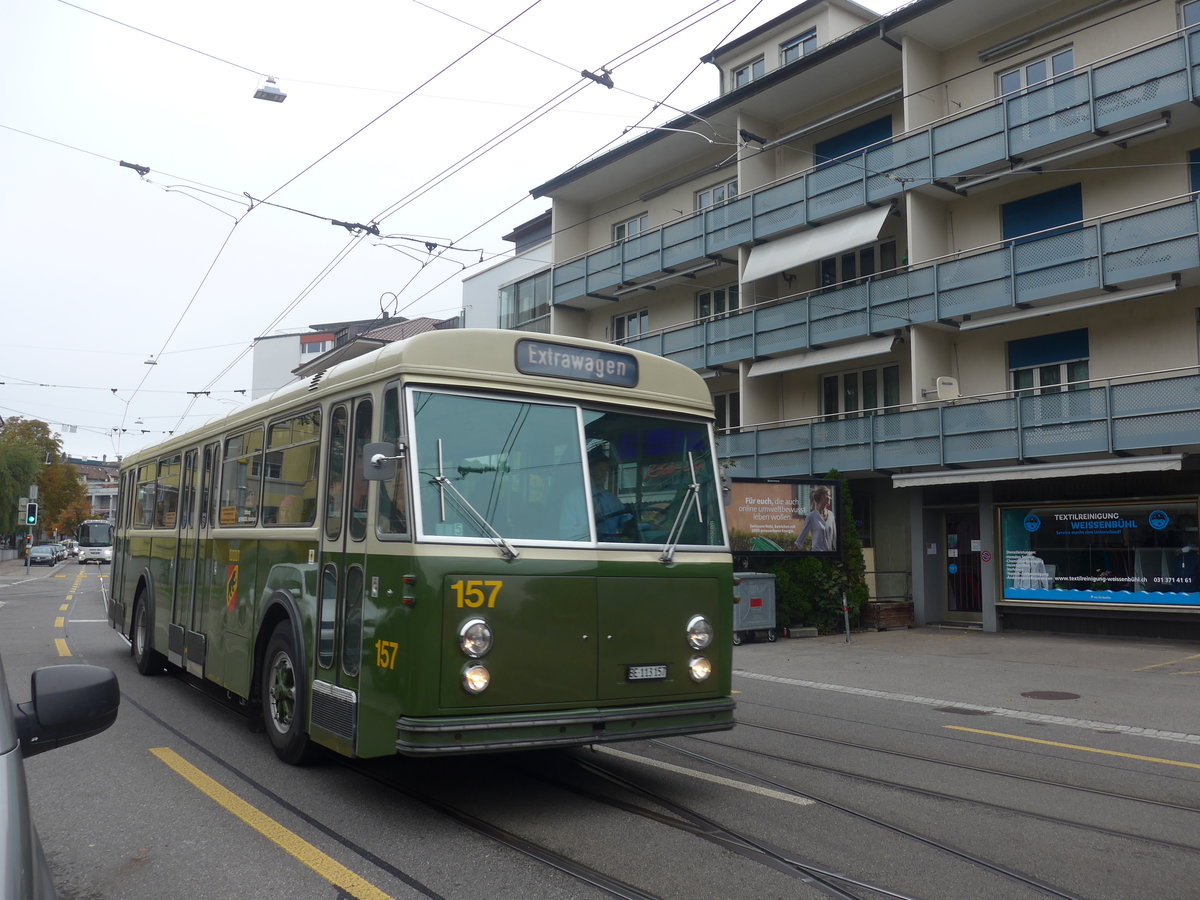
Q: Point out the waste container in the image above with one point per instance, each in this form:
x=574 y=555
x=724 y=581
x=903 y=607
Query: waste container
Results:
x=754 y=612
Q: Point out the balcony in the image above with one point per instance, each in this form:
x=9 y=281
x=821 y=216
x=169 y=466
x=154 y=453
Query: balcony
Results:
x=1137 y=413
x=1104 y=254
x=1095 y=99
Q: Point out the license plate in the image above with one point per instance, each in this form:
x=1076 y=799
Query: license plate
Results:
x=647 y=673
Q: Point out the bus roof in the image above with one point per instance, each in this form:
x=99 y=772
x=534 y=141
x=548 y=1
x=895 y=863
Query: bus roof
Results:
x=469 y=357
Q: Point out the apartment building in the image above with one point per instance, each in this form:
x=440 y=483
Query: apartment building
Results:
x=953 y=253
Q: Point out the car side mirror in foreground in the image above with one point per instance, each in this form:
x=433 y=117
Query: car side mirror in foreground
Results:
x=69 y=703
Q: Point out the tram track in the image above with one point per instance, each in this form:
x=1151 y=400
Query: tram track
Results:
x=774 y=856
x=980 y=770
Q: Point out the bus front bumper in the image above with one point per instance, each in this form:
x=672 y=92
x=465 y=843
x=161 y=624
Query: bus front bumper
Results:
x=437 y=736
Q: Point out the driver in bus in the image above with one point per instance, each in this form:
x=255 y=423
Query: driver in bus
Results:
x=611 y=515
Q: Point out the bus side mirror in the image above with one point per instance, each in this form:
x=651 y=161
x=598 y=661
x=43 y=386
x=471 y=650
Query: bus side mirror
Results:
x=379 y=461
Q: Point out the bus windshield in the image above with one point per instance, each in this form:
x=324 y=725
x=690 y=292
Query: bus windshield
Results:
x=557 y=472
x=95 y=534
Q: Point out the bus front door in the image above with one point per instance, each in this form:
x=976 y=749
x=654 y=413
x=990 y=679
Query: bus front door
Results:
x=334 y=709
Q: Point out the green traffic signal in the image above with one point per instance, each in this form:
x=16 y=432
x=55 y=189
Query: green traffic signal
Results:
x=31 y=513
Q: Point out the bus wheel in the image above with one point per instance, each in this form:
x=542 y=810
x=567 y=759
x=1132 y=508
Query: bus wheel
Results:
x=283 y=698
x=147 y=660
x=737 y=639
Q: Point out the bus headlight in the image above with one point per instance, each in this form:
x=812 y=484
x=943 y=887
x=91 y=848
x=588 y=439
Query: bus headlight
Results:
x=476 y=678
x=699 y=668
x=699 y=633
x=475 y=638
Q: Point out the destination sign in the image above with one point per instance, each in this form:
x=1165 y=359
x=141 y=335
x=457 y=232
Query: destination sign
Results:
x=577 y=363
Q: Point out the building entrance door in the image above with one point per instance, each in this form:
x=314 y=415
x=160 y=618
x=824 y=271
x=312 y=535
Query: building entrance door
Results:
x=964 y=587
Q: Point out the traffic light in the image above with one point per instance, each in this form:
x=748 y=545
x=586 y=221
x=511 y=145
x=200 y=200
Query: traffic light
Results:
x=31 y=514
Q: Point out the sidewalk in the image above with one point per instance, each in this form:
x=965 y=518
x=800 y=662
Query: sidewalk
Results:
x=1125 y=681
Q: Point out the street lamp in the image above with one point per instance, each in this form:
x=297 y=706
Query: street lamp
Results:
x=270 y=91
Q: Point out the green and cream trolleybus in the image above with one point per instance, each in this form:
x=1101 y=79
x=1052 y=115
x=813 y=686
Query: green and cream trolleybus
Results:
x=464 y=542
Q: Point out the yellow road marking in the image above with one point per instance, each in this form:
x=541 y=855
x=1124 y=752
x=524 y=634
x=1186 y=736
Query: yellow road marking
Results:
x=64 y=607
x=1029 y=740
x=59 y=622
x=63 y=649
x=1170 y=662
x=328 y=868
x=70 y=596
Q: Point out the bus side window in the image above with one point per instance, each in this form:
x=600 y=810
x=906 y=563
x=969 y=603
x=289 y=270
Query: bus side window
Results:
x=393 y=498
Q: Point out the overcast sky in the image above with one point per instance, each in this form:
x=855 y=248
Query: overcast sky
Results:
x=102 y=269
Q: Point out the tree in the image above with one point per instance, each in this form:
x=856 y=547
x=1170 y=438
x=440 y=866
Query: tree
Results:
x=59 y=488
x=26 y=445
x=70 y=518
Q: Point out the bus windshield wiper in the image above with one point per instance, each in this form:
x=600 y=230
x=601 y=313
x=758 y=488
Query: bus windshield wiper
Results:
x=681 y=516
x=506 y=549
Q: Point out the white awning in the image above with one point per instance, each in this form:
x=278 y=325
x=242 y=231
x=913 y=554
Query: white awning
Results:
x=816 y=243
x=824 y=357
x=1171 y=462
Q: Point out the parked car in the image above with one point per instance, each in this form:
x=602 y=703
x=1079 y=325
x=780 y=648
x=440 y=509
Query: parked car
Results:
x=69 y=703
x=42 y=555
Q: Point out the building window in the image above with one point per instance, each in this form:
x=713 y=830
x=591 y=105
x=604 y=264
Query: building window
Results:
x=801 y=45
x=1190 y=13
x=856 y=265
x=1032 y=217
x=1036 y=71
x=314 y=349
x=852 y=393
x=717 y=302
x=748 y=73
x=525 y=305
x=1194 y=160
x=1049 y=363
x=715 y=196
x=630 y=228
x=630 y=325
x=728 y=408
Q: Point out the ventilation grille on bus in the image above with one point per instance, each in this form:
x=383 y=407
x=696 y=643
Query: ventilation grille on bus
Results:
x=316 y=380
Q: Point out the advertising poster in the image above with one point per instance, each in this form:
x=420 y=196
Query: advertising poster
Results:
x=784 y=516
x=1139 y=554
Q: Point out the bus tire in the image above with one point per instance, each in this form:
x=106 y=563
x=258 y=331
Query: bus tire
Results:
x=737 y=639
x=283 y=704
x=146 y=658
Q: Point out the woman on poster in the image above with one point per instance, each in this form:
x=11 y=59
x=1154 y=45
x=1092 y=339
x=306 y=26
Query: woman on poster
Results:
x=819 y=524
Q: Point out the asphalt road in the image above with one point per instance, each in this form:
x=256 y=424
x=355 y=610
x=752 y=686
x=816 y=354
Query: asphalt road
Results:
x=909 y=762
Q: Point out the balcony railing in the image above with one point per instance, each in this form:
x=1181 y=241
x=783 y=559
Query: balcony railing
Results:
x=1103 y=254
x=1100 y=417
x=1091 y=100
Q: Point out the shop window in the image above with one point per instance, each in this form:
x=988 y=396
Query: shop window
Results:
x=728 y=408
x=852 y=140
x=715 y=196
x=1022 y=220
x=801 y=45
x=631 y=228
x=1049 y=363
x=1035 y=71
x=752 y=71
x=717 y=302
x=865 y=390
x=630 y=325
x=857 y=265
